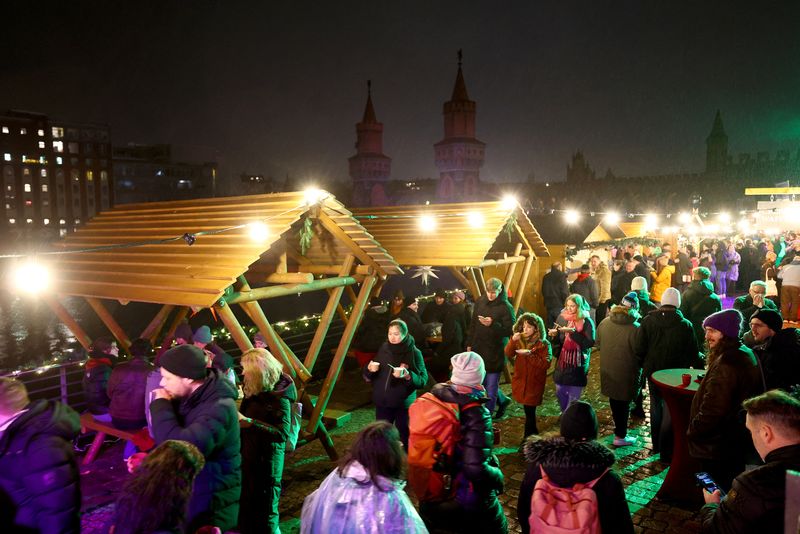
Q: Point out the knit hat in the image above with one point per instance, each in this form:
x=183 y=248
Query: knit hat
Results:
x=631 y=300
x=440 y=293
x=186 y=361
x=460 y=294
x=468 y=369
x=202 y=334
x=771 y=318
x=729 y=322
x=639 y=284
x=408 y=301
x=579 y=421
x=184 y=331
x=671 y=297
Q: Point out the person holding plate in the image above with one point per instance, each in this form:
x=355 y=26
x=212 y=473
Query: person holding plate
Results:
x=573 y=334
x=531 y=353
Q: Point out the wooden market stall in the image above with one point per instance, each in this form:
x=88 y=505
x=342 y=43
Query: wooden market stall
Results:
x=474 y=240
x=219 y=252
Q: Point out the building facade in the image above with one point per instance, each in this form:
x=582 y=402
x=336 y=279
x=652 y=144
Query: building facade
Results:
x=55 y=174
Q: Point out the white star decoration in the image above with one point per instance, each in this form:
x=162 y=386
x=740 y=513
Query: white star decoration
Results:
x=425 y=272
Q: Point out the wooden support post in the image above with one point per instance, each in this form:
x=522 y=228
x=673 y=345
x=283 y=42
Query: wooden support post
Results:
x=111 y=323
x=155 y=326
x=351 y=294
x=511 y=269
x=478 y=274
x=476 y=289
x=62 y=313
x=523 y=282
x=289 y=278
x=342 y=313
x=282 y=267
x=178 y=319
x=269 y=292
x=341 y=352
x=232 y=324
x=327 y=315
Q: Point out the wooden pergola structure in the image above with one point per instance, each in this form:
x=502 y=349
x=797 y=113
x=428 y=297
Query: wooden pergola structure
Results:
x=467 y=238
x=196 y=254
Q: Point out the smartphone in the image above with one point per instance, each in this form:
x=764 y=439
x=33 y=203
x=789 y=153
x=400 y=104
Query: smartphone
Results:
x=705 y=481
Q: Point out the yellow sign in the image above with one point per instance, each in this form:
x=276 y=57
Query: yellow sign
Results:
x=752 y=191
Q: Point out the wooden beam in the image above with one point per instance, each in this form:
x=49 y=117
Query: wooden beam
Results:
x=351 y=294
x=341 y=352
x=151 y=330
x=62 y=313
x=178 y=319
x=334 y=269
x=334 y=303
x=345 y=238
x=111 y=323
x=480 y=280
x=289 y=278
x=282 y=266
x=504 y=261
x=292 y=289
x=512 y=267
x=474 y=285
x=523 y=282
x=232 y=324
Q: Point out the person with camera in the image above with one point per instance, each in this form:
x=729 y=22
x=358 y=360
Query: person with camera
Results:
x=757 y=498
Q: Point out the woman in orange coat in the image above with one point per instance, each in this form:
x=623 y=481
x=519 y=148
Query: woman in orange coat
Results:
x=532 y=350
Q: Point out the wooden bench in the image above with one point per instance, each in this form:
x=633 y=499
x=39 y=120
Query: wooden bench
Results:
x=141 y=438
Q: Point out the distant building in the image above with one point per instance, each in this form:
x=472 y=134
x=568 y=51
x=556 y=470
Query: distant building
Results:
x=370 y=168
x=55 y=174
x=150 y=173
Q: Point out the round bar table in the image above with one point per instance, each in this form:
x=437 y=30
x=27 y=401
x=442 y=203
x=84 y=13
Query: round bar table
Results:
x=679 y=484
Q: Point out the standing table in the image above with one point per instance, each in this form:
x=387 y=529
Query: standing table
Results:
x=679 y=483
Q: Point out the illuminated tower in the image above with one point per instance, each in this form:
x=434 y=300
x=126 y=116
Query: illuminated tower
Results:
x=370 y=168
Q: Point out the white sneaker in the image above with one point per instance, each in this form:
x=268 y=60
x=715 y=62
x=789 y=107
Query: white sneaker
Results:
x=623 y=442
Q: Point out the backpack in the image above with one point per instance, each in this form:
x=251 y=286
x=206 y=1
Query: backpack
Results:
x=434 y=429
x=295 y=420
x=562 y=510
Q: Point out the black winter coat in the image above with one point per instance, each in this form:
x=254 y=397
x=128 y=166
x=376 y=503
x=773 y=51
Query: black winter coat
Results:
x=555 y=289
x=207 y=419
x=621 y=284
x=126 y=389
x=454 y=331
x=394 y=392
x=698 y=302
x=745 y=305
x=490 y=341
x=263 y=449
x=571 y=462
x=757 y=500
x=39 y=485
x=372 y=332
x=780 y=359
x=95 y=381
x=415 y=328
x=567 y=375
x=587 y=288
x=434 y=313
x=666 y=340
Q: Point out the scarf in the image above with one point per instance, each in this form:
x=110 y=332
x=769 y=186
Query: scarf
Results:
x=582 y=277
x=571 y=355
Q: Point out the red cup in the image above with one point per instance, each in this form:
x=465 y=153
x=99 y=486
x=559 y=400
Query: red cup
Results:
x=686 y=379
x=496 y=432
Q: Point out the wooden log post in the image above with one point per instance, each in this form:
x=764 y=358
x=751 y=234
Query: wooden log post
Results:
x=341 y=352
x=62 y=313
x=178 y=319
x=111 y=323
x=476 y=288
x=151 y=331
x=511 y=269
x=269 y=292
x=232 y=324
x=481 y=281
x=523 y=281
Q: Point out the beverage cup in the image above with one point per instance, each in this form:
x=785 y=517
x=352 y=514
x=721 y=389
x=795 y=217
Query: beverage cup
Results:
x=686 y=379
x=398 y=372
x=373 y=366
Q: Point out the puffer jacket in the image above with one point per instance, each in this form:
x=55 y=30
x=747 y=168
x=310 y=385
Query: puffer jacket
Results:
x=620 y=371
x=666 y=340
x=489 y=341
x=394 y=392
x=568 y=463
x=780 y=359
x=478 y=477
x=698 y=302
x=760 y=498
x=568 y=375
x=207 y=419
x=661 y=282
x=716 y=429
x=126 y=389
x=95 y=382
x=38 y=473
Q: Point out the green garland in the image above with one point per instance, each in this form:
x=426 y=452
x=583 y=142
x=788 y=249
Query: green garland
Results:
x=305 y=234
x=511 y=222
x=645 y=241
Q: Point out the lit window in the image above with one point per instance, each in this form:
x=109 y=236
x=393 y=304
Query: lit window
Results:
x=62 y=232
x=41 y=144
x=43 y=173
x=27 y=188
x=58 y=146
x=103 y=176
x=29 y=221
x=12 y=221
x=23 y=131
x=62 y=222
x=59 y=160
x=7 y=156
x=5 y=129
x=44 y=188
x=46 y=221
x=90 y=175
x=24 y=157
x=57 y=132
x=40 y=132
x=77 y=221
x=42 y=160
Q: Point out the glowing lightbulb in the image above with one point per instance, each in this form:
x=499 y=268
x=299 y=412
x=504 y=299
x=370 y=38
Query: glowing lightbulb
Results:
x=258 y=231
x=651 y=220
x=572 y=217
x=475 y=219
x=509 y=202
x=612 y=217
x=312 y=195
x=31 y=277
x=684 y=218
x=427 y=223
x=724 y=217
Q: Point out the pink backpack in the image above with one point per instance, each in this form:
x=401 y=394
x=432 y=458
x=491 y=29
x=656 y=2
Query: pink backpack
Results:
x=564 y=510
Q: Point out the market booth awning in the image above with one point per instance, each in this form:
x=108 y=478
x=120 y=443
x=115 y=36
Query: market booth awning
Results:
x=214 y=253
x=465 y=237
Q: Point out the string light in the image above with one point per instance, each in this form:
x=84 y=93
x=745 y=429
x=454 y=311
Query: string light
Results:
x=684 y=218
x=612 y=217
x=651 y=220
x=258 y=231
x=509 y=202
x=427 y=223
x=312 y=195
x=572 y=217
x=31 y=277
x=475 y=219
x=724 y=217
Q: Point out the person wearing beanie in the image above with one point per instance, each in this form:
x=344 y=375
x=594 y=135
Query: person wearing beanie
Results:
x=639 y=286
x=777 y=348
x=699 y=301
x=397 y=304
x=409 y=314
x=555 y=291
x=641 y=268
x=716 y=435
x=396 y=373
x=575 y=457
x=475 y=506
x=492 y=321
x=436 y=309
x=454 y=332
x=665 y=340
x=531 y=352
x=620 y=369
x=198 y=405
x=182 y=336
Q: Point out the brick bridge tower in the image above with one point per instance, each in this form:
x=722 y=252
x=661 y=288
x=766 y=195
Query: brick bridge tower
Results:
x=370 y=168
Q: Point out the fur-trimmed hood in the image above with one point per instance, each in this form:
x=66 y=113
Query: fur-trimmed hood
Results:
x=568 y=462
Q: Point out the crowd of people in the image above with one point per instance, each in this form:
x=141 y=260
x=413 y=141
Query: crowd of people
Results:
x=426 y=464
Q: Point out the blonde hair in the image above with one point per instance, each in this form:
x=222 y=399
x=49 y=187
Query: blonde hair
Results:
x=261 y=371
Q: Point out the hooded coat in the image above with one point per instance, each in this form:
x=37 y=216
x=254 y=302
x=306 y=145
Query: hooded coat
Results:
x=620 y=371
x=698 y=302
x=490 y=341
x=95 y=381
x=530 y=370
x=39 y=485
x=209 y=420
x=392 y=392
x=570 y=462
x=666 y=340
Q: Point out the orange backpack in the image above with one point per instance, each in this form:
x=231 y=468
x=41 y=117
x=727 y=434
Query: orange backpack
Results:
x=434 y=429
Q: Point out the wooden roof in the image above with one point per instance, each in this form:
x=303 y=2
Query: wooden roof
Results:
x=198 y=275
x=620 y=231
x=455 y=241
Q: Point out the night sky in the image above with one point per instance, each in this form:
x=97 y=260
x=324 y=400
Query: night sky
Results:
x=276 y=88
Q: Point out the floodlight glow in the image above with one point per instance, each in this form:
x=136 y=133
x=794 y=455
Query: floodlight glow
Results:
x=427 y=223
x=651 y=220
x=612 y=217
x=744 y=225
x=475 y=219
x=312 y=195
x=572 y=217
x=684 y=218
x=258 y=231
x=31 y=277
x=724 y=217
x=509 y=202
